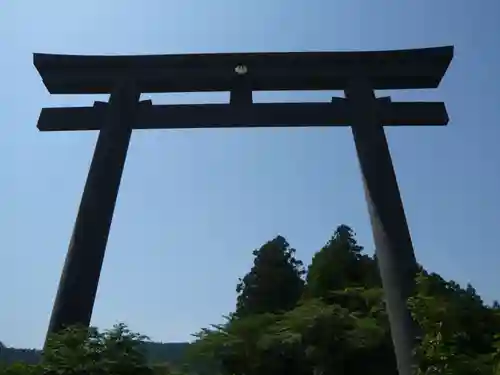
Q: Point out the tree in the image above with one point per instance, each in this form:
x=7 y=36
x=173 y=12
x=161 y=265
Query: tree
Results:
x=81 y=350
x=459 y=333
x=340 y=325
x=324 y=335
x=274 y=284
x=333 y=339
x=340 y=264
x=234 y=346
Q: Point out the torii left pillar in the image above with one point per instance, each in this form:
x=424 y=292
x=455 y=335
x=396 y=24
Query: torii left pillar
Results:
x=82 y=268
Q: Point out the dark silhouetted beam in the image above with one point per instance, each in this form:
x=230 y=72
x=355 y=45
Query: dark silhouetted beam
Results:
x=399 y=69
x=186 y=116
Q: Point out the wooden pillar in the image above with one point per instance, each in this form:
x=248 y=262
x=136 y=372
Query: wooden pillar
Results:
x=80 y=277
x=394 y=249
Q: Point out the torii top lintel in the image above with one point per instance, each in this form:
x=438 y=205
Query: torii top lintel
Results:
x=398 y=69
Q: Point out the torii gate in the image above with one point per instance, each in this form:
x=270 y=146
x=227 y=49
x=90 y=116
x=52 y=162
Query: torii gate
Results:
x=357 y=73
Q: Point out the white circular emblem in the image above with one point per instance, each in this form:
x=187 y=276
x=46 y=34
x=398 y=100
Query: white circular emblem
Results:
x=241 y=69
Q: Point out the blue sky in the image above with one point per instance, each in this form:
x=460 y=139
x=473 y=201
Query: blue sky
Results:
x=194 y=204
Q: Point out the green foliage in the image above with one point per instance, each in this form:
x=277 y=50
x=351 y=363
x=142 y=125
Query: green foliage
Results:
x=323 y=330
x=340 y=264
x=339 y=326
x=313 y=337
x=332 y=323
x=274 y=283
x=234 y=346
x=459 y=333
x=80 y=350
x=332 y=338
x=20 y=369
x=156 y=353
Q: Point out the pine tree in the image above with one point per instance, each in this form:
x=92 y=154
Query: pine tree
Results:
x=274 y=284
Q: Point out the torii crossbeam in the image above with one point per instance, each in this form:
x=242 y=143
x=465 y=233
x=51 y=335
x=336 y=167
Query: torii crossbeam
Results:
x=358 y=74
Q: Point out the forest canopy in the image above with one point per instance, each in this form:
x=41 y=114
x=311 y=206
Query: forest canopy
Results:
x=327 y=319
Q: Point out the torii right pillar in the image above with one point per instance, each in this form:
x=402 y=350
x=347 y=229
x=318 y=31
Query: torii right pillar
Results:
x=394 y=249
